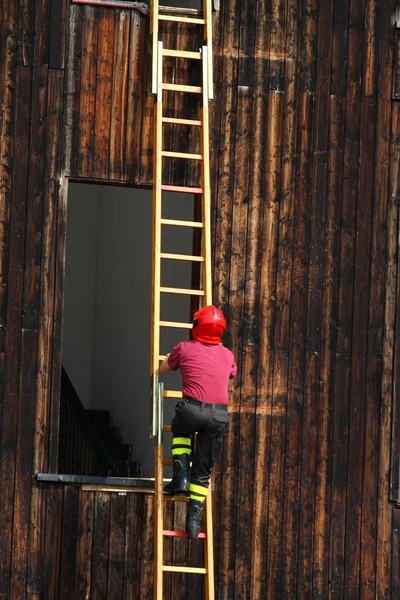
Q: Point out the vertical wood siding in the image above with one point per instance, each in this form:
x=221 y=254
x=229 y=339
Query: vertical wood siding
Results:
x=305 y=158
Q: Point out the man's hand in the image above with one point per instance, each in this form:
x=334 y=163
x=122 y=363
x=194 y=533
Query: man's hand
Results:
x=164 y=367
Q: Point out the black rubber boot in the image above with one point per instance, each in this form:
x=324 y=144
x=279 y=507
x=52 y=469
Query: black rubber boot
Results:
x=194 y=518
x=180 y=475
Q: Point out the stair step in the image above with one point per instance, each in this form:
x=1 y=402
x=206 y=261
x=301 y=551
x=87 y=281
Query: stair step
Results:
x=100 y=417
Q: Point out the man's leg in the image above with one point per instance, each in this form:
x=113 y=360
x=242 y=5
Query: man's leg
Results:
x=208 y=445
x=181 y=450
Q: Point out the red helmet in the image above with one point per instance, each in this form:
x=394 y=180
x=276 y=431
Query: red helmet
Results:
x=208 y=325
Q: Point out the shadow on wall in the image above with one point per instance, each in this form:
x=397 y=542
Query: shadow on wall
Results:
x=107 y=309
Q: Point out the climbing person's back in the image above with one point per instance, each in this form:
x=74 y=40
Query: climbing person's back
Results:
x=205 y=370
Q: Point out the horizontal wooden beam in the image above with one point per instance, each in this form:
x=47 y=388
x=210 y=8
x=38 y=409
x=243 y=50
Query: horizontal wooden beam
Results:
x=90 y=480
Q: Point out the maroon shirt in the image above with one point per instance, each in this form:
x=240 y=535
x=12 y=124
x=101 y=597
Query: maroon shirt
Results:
x=205 y=370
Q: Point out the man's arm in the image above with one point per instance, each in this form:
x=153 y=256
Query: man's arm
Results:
x=164 y=367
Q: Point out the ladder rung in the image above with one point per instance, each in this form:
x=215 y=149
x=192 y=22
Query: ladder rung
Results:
x=168 y=290
x=166 y=428
x=182 y=54
x=176 y=121
x=170 y=533
x=181 y=155
x=182 y=257
x=170 y=497
x=176 y=87
x=171 y=394
x=176 y=324
x=197 y=570
x=181 y=223
x=182 y=189
x=181 y=19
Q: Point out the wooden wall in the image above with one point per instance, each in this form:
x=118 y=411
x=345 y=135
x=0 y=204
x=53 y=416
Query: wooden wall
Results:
x=305 y=175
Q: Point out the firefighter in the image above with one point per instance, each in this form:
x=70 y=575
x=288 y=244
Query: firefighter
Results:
x=206 y=367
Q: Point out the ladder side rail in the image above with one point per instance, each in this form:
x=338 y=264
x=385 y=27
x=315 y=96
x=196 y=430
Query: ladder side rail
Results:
x=206 y=196
x=154 y=28
x=155 y=334
x=157 y=175
x=207 y=283
x=158 y=498
x=208 y=38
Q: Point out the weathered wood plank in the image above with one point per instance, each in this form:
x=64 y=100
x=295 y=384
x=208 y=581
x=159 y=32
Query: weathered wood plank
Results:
x=370 y=480
x=133 y=546
x=340 y=47
x=58 y=314
x=308 y=61
x=394 y=194
x=339 y=475
x=68 y=543
x=23 y=463
x=119 y=94
x=396 y=68
x=46 y=295
x=12 y=386
x=298 y=313
x=322 y=303
x=277 y=49
x=308 y=482
x=87 y=100
x=240 y=282
x=101 y=543
x=116 y=555
x=8 y=49
x=58 y=33
x=147 y=558
x=145 y=170
x=225 y=559
x=395 y=582
x=138 y=69
x=279 y=198
x=102 y=117
x=84 y=545
x=381 y=234
x=215 y=137
x=359 y=345
x=26 y=13
x=385 y=511
x=37 y=155
x=371 y=48
x=52 y=543
x=71 y=117
x=264 y=413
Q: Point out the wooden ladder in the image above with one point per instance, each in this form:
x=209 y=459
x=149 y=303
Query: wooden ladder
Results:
x=203 y=192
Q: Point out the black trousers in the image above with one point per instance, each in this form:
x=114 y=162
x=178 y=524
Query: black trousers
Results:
x=211 y=423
